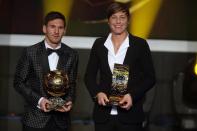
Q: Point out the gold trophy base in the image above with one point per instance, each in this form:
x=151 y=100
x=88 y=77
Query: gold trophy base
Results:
x=114 y=100
x=56 y=103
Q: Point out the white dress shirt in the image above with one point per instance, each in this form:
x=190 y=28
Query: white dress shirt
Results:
x=115 y=58
x=53 y=57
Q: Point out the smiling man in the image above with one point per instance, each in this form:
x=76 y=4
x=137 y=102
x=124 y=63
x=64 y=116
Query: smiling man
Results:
x=35 y=62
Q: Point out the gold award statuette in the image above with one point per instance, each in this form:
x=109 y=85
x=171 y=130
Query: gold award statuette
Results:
x=56 y=86
x=119 y=83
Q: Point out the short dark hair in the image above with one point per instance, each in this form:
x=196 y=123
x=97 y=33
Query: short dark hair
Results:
x=116 y=7
x=54 y=15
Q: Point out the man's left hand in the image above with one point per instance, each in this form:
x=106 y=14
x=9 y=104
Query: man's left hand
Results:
x=67 y=107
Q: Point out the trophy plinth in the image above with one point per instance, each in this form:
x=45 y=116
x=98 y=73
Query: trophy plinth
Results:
x=114 y=100
x=56 y=86
x=119 y=84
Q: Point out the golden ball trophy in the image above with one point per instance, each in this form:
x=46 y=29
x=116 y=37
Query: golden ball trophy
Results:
x=56 y=84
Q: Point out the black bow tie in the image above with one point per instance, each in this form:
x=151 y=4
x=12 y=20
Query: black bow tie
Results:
x=49 y=51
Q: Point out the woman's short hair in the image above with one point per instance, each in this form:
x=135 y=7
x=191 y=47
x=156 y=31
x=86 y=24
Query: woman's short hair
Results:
x=117 y=7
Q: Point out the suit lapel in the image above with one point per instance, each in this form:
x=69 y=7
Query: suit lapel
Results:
x=104 y=55
x=43 y=67
x=129 y=53
x=128 y=56
x=63 y=58
x=44 y=59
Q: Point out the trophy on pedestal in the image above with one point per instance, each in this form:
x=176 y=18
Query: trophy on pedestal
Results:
x=56 y=84
x=119 y=84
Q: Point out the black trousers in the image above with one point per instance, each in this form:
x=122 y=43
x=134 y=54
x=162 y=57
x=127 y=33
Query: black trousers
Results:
x=113 y=124
x=50 y=126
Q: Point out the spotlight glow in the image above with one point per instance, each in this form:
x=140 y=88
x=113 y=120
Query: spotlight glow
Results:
x=195 y=69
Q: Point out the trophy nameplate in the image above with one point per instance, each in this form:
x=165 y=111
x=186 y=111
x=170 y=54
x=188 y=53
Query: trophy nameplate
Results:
x=119 y=84
x=56 y=86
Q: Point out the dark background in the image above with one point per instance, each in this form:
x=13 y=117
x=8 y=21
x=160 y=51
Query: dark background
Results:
x=176 y=18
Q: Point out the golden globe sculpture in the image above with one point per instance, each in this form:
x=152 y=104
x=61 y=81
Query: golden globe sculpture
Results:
x=56 y=84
